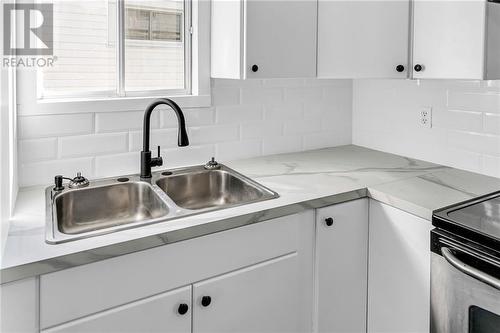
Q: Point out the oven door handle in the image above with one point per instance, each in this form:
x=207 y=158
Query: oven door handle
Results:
x=469 y=270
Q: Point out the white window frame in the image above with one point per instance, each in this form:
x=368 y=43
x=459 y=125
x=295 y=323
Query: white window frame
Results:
x=8 y=144
x=30 y=103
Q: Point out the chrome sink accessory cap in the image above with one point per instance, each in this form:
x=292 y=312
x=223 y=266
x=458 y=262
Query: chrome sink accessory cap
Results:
x=79 y=181
x=212 y=164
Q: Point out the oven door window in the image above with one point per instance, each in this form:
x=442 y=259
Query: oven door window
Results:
x=483 y=321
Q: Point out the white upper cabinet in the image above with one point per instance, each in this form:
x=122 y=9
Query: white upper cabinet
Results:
x=263 y=39
x=363 y=39
x=372 y=39
x=456 y=39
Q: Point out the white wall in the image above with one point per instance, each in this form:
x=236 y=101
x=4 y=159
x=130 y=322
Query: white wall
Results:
x=248 y=118
x=466 y=121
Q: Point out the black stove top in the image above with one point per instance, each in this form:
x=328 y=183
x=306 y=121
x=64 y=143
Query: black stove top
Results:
x=477 y=219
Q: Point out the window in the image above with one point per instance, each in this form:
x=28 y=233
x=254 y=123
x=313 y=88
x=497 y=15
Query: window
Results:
x=119 y=48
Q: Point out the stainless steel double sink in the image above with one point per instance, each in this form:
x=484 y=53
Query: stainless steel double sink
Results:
x=113 y=204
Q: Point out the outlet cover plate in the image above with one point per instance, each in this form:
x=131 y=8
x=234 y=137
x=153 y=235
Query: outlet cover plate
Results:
x=425 y=117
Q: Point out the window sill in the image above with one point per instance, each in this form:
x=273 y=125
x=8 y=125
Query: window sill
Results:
x=97 y=105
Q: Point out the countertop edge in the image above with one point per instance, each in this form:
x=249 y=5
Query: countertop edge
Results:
x=15 y=273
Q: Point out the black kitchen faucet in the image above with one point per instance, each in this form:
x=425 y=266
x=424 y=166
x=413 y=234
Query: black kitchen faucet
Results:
x=146 y=160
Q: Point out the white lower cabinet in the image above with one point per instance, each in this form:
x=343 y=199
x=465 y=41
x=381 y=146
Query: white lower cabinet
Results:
x=169 y=312
x=357 y=266
x=399 y=271
x=19 y=306
x=261 y=298
x=341 y=259
x=258 y=278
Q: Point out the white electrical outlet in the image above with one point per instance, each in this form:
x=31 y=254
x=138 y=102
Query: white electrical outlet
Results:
x=426 y=117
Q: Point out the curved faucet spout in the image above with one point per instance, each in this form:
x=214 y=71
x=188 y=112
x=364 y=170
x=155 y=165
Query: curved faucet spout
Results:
x=146 y=161
x=183 y=139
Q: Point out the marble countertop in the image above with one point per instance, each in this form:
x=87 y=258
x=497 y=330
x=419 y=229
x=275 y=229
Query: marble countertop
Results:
x=304 y=180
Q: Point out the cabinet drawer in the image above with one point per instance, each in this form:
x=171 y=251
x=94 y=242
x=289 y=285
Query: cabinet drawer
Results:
x=154 y=314
x=83 y=290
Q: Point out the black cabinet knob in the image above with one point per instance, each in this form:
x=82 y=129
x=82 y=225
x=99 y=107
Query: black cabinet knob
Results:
x=400 y=68
x=183 y=308
x=418 y=68
x=255 y=68
x=206 y=300
x=329 y=221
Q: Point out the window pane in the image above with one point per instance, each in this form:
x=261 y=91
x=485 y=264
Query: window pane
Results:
x=166 y=26
x=86 y=57
x=157 y=63
x=137 y=24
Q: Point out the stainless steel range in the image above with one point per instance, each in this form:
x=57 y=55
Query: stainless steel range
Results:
x=465 y=267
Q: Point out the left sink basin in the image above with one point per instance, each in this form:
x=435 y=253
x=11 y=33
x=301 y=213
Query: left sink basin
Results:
x=104 y=206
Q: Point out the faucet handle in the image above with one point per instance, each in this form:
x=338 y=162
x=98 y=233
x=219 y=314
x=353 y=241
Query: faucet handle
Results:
x=157 y=161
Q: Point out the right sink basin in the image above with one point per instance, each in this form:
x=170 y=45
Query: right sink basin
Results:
x=196 y=188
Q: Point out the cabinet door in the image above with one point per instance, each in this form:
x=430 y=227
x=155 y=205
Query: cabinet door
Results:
x=341 y=250
x=19 y=306
x=363 y=39
x=449 y=39
x=280 y=38
x=399 y=271
x=160 y=313
x=260 y=298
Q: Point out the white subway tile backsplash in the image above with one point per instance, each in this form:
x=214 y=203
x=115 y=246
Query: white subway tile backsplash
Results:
x=302 y=94
x=194 y=117
x=261 y=95
x=42 y=173
x=261 y=129
x=55 y=125
x=226 y=95
x=248 y=118
x=491 y=166
x=302 y=126
x=475 y=142
x=458 y=120
x=283 y=83
x=97 y=144
x=281 y=144
x=492 y=123
x=37 y=149
x=466 y=128
x=235 y=83
x=486 y=102
x=213 y=134
x=238 y=150
x=282 y=112
x=117 y=164
x=238 y=114
x=124 y=121
x=322 y=140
